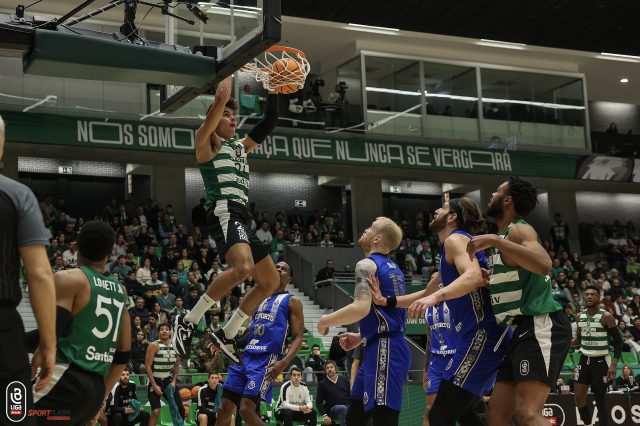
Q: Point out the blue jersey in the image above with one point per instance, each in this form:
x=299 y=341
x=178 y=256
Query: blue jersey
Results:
x=472 y=309
x=269 y=325
x=441 y=329
x=381 y=319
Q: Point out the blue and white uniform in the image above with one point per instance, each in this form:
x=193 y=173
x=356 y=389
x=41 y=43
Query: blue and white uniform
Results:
x=442 y=344
x=387 y=357
x=475 y=363
x=266 y=343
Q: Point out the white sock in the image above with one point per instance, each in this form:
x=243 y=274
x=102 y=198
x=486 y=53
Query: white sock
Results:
x=198 y=311
x=235 y=322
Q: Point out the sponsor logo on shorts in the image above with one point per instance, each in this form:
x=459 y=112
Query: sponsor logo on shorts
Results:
x=604 y=379
x=251 y=385
x=16 y=399
x=524 y=367
x=242 y=233
x=365 y=398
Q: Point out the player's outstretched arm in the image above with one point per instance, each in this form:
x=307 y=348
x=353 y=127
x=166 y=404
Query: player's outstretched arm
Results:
x=264 y=127
x=122 y=355
x=207 y=130
x=406 y=300
x=43 y=301
x=361 y=304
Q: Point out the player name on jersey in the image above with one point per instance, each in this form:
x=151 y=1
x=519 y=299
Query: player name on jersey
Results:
x=107 y=285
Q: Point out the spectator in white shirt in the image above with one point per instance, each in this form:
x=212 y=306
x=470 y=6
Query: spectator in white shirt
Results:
x=264 y=234
x=70 y=256
x=294 y=402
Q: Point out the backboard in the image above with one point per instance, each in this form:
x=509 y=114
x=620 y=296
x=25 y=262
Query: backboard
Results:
x=234 y=34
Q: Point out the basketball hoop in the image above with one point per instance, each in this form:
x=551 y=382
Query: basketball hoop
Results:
x=276 y=72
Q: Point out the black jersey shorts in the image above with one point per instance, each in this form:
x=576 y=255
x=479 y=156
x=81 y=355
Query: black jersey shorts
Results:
x=228 y=223
x=592 y=370
x=537 y=350
x=72 y=397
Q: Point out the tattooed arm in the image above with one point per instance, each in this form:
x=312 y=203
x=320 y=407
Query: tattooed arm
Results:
x=361 y=304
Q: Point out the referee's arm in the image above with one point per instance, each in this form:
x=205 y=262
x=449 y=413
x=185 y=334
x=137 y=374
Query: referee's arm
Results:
x=43 y=302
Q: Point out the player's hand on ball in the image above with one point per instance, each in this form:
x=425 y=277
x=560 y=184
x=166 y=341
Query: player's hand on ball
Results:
x=323 y=328
x=349 y=341
x=420 y=306
x=376 y=296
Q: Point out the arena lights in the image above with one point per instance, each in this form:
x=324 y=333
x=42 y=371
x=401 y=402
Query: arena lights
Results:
x=618 y=57
x=372 y=29
x=503 y=44
x=473 y=98
x=624 y=80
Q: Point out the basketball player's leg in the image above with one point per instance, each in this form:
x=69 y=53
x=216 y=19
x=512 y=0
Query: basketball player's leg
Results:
x=264 y=274
x=530 y=396
x=248 y=411
x=430 y=400
x=224 y=415
x=500 y=408
x=584 y=379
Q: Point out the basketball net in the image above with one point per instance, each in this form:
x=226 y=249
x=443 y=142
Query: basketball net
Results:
x=263 y=70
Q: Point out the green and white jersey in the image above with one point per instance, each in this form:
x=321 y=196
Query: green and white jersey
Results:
x=517 y=291
x=90 y=341
x=594 y=337
x=226 y=176
x=163 y=361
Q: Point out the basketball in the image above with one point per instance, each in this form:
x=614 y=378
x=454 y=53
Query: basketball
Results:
x=194 y=391
x=286 y=69
x=185 y=393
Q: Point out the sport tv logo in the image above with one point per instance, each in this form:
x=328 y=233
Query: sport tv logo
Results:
x=16 y=401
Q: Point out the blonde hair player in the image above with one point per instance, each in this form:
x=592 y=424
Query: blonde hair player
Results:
x=377 y=389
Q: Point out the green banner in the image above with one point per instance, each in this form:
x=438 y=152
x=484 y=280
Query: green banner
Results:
x=319 y=148
x=411 y=326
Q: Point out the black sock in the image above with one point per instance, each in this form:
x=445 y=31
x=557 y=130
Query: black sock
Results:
x=585 y=414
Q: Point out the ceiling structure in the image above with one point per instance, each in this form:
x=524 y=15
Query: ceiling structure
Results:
x=595 y=26
x=447 y=30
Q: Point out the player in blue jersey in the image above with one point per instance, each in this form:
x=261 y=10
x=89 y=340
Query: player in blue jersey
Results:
x=481 y=343
x=264 y=358
x=377 y=389
x=440 y=349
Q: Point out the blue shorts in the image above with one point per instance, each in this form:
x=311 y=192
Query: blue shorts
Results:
x=381 y=377
x=437 y=366
x=475 y=364
x=248 y=378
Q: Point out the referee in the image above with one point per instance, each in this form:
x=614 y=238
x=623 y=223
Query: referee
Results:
x=23 y=235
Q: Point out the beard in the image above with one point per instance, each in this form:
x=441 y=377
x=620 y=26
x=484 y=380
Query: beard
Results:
x=438 y=224
x=495 y=209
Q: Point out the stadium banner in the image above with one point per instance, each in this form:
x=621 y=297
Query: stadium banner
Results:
x=321 y=148
x=623 y=409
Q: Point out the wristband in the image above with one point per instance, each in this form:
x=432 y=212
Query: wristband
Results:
x=121 y=357
x=391 y=302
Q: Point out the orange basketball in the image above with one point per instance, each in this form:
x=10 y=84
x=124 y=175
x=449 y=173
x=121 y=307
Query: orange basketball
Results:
x=285 y=70
x=185 y=393
x=194 y=391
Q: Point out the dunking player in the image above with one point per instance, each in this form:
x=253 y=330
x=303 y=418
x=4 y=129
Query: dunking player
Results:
x=95 y=342
x=596 y=368
x=481 y=343
x=222 y=160
x=264 y=358
x=521 y=294
x=377 y=389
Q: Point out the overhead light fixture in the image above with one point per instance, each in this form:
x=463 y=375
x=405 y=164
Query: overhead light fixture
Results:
x=618 y=57
x=245 y=13
x=624 y=80
x=372 y=28
x=503 y=44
